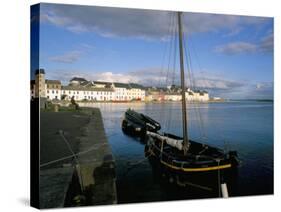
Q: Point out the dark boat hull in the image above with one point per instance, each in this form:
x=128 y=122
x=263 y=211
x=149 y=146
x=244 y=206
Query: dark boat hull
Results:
x=202 y=171
x=196 y=184
x=129 y=128
x=200 y=157
x=136 y=124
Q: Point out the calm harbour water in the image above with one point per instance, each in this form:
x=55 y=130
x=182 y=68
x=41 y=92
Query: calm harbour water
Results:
x=245 y=126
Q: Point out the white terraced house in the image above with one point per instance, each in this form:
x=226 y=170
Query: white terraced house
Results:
x=81 y=89
x=168 y=94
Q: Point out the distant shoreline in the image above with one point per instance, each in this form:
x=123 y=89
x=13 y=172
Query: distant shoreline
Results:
x=65 y=102
x=253 y=100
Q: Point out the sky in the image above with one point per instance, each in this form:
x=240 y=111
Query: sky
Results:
x=229 y=56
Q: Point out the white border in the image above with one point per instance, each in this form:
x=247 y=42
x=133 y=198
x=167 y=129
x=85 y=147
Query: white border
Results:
x=14 y=105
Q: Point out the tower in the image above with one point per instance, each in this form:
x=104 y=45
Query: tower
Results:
x=40 y=83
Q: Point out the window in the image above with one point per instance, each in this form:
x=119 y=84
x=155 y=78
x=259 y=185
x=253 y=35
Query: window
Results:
x=53 y=91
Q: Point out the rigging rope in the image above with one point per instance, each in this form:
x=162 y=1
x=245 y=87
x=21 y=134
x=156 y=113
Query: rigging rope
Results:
x=159 y=83
x=226 y=143
x=204 y=84
x=193 y=87
x=197 y=103
x=172 y=73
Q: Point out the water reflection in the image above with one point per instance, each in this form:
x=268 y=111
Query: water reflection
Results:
x=244 y=126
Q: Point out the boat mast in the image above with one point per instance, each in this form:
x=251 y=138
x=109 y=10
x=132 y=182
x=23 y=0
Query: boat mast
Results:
x=184 y=114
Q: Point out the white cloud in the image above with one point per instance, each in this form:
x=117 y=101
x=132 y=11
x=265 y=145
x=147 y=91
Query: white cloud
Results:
x=68 y=57
x=264 y=45
x=236 y=48
x=111 y=77
x=146 y=77
x=234 y=31
x=146 y=24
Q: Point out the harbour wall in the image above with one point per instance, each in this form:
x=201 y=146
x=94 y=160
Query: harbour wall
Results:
x=76 y=163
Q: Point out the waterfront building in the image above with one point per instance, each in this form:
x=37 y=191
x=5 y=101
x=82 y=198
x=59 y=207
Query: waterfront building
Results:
x=121 y=91
x=81 y=89
x=39 y=90
x=53 y=89
x=87 y=93
x=130 y=91
x=41 y=87
x=172 y=97
x=174 y=94
x=201 y=96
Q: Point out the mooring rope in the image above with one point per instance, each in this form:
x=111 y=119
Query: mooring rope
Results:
x=74 y=155
x=69 y=156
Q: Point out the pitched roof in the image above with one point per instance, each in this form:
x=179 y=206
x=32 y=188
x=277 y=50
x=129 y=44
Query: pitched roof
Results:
x=101 y=83
x=121 y=85
x=87 y=88
x=135 y=85
x=52 y=81
x=86 y=83
x=80 y=79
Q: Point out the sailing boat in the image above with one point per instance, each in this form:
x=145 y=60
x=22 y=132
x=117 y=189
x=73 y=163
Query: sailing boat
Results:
x=180 y=154
x=175 y=153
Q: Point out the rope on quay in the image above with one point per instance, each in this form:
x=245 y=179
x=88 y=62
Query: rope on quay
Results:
x=73 y=154
x=70 y=156
x=61 y=133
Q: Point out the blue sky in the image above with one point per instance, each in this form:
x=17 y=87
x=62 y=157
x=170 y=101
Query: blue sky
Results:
x=231 y=56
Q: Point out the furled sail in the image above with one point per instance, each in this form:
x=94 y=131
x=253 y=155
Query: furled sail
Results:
x=172 y=142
